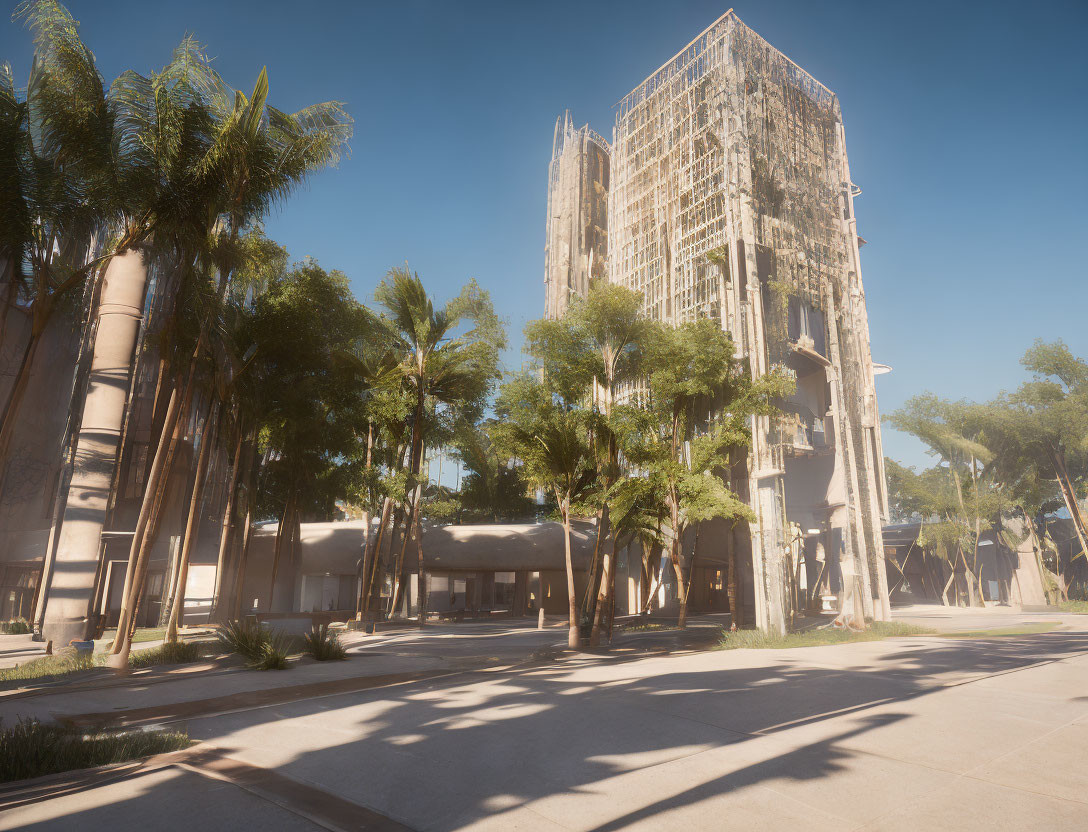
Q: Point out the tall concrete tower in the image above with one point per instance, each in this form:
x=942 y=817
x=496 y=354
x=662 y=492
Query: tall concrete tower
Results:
x=731 y=198
x=576 y=234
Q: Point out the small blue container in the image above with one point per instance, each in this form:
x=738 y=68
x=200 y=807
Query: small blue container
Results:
x=82 y=646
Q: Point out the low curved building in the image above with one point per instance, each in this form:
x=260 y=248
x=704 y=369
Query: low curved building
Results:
x=484 y=569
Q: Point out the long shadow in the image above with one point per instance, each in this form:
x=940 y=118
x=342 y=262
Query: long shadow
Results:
x=446 y=753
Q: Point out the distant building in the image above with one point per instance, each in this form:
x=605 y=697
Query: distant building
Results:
x=731 y=199
x=577 y=227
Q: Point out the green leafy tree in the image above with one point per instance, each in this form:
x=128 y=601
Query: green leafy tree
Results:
x=593 y=352
x=549 y=436
x=954 y=432
x=696 y=409
x=493 y=488
x=932 y=498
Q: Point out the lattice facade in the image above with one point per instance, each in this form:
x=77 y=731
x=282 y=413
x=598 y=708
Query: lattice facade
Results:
x=576 y=234
x=731 y=199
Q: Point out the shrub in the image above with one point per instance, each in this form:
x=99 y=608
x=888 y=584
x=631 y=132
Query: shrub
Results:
x=274 y=653
x=17 y=627
x=248 y=640
x=324 y=645
x=30 y=749
x=176 y=652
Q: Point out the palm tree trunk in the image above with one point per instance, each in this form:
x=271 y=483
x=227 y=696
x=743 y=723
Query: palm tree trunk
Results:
x=243 y=557
x=227 y=529
x=370 y=559
x=573 y=639
x=192 y=525
x=421 y=573
x=118 y=323
x=7 y=273
x=399 y=568
x=284 y=528
x=15 y=398
x=155 y=475
x=363 y=563
x=143 y=538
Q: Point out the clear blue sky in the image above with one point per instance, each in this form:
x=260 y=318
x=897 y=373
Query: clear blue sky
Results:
x=967 y=128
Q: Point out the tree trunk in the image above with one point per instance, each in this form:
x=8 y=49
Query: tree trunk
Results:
x=15 y=399
x=1071 y=504
x=658 y=577
x=604 y=593
x=243 y=556
x=399 y=568
x=681 y=587
x=155 y=480
x=284 y=528
x=146 y=532
x=226 y=531
x=192 y=525
x=573 y=640
x=370 y=560
x=421 y=574
x=394 y=561
x=363 y=565
x=589 y=603
x=732 y=592
x=68 y=614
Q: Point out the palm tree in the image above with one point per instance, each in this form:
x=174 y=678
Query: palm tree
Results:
x=551 y=442
x=492 y=487
x=131 y=151
x=256 y=155
x=438 y=369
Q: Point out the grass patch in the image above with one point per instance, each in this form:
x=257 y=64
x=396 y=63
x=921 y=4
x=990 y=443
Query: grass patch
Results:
x=179 y=652
x=1004 y=632
x=756 y=640
x=141 y=634
x=1074 y=606
x=54 y=668
x=650 y=627
x=30 y=749
x=16 y=627
x=49 y=668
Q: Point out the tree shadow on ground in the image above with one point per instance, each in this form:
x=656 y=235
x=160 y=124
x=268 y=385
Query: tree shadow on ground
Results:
x=447 y=753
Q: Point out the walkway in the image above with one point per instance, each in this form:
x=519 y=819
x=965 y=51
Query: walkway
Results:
x=908 y=733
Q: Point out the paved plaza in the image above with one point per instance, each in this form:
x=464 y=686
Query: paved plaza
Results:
x=479 y=727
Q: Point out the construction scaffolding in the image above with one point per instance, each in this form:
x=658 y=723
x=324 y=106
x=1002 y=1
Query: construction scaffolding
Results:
x=731 y=199
x=576 y=233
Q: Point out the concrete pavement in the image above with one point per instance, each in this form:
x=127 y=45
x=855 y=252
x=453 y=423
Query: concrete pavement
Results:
x=905 y=733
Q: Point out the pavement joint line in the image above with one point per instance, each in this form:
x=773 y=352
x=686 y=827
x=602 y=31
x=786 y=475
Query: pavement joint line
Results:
x=806 y=804
x=296 y=795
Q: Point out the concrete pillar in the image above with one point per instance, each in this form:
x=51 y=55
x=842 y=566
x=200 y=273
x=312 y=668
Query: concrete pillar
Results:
x=71 y=591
